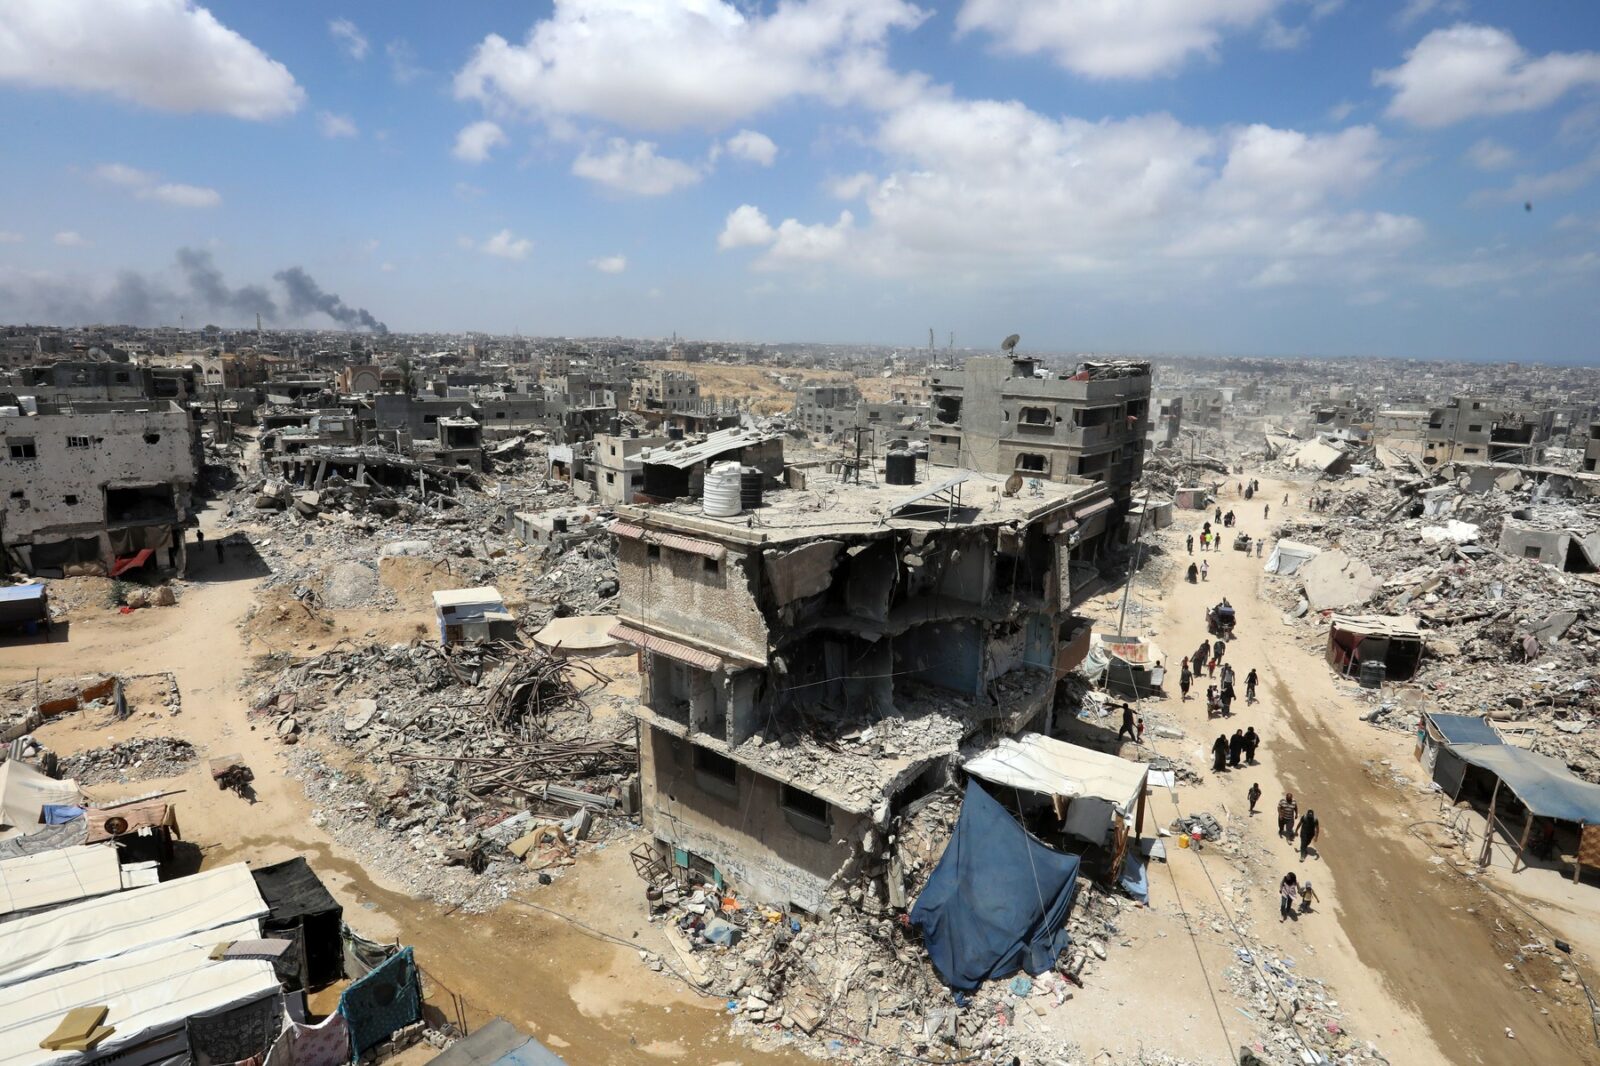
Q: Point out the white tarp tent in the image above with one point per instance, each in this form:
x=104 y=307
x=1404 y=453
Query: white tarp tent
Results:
x=127 y=921
x=24 y=792
x=1288 y=556
x=1099 y=786
x=64 y=875
x=148 y=994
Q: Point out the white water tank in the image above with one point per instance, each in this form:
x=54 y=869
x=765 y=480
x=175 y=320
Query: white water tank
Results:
x=721 y=496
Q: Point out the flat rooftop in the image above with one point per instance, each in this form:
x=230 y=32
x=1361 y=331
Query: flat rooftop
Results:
x=943 y=497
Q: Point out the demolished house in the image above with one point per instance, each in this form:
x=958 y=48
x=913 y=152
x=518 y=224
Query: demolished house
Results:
x=96 y=487
x=813 y=664
x=1552 y=543
x=1374 y=648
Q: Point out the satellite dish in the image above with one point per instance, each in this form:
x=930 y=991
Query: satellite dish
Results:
x=1013 y=485
x=1010 y=343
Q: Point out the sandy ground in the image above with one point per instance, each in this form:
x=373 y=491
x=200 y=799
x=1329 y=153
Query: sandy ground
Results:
x=759 y=384
x=1425 y=963
x=588 y=997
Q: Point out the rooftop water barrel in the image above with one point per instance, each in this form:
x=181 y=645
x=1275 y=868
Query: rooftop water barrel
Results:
x=750 y=481
x=721 y=496
x=900 y=468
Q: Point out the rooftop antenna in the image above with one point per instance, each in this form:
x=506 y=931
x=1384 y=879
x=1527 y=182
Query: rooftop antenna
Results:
x=952 y=343
x=930 y=338
x=1009 y=345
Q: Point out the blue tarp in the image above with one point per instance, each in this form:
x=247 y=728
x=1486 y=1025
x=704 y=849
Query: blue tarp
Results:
x=1546 y=787
x=59 y=814
x=998 y=900
x=1464 y=729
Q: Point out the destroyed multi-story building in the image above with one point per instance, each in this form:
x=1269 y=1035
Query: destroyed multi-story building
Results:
x=618 y=468
x=96 y=486
x=1482 y=429
x=825 y=409
x=1005 y=415
x=1168 y=419
x=667 y=390
x=815 y=663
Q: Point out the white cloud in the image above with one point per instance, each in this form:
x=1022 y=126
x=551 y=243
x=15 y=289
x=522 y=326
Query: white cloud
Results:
x=1532 y=188
x=9 y=237
x=752 y=147
x=701 y=63
x=402 y=62
x=349 y=37
x=610 y=264
x=166 y=54
x=1469 y=71
x=992 y=187
x=387 y=268
x=745 y=227
x=335 y=126
x=1281 y=38
x=1341 y=111
x=853 y=186
x=149 y=186
x=505 y=246
x=475 y=142
x=1417 y=9
x=1274 y=275
x=1097 y=39
x=68 y=238
x=180 y=195
x=122 y=174
x=635 y=168
x=1490 y=154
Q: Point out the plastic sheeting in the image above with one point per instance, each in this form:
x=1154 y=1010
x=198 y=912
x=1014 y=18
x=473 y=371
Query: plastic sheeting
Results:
x=117 y=924
x=52 y=878
x=998 y=900
x=1546 y=787
x=387 y=999
x=25 y=792
x=1289 y=556
x=297 y=899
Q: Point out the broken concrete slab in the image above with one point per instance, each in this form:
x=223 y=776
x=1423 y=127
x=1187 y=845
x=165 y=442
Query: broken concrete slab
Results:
x=1333 y=580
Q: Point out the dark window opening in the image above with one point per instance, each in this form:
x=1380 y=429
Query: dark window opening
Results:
x=1035 y=416
x=77 y=442
x=1031 y=463
x=710 y=566
x=152 y=438
x=16 y=494
x=1532 y=551
x=804 y=812
x=23 y=448
x=653 y=551
x=70 y=499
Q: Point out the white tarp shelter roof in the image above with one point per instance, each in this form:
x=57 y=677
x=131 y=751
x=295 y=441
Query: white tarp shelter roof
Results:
x=1037 y=763
x=127 y=921
x=25 y=791
x=148 y=993
x=1289 y=556
x=61 y=876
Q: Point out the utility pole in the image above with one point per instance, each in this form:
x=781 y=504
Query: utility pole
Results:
x=1138 y=542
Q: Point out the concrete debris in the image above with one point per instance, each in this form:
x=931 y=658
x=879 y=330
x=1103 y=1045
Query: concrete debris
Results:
x=137 y=759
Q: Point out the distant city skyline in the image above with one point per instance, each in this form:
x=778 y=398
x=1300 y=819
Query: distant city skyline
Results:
x=1216 y=177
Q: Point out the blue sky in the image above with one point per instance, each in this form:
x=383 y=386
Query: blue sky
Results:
x=1233 y=176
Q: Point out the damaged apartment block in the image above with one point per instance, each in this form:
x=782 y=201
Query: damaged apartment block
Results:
x=95 y=487
x=815 y=662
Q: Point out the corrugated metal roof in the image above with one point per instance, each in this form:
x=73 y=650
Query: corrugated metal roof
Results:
x=703 y=660
x=710 y=549
x=715 y=444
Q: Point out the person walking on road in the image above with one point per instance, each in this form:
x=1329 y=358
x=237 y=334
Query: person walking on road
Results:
x=1211 y=667
x=1250 y=686
x=1225 y=697
x=1235 y=747
x=1227 y=674
x=1218 y=647
x=218 y=544
x=1191 y=543
x=1213 y=705
x=1288 y=894
x=1219 y=754
x=1252 y=740
x=1307 y=897
x=1261 y=546
x=1205 y=570
x=1266 y=511
x=1185 y=679
x=1254 y=796
x=1288 y=810
x=1309 y=831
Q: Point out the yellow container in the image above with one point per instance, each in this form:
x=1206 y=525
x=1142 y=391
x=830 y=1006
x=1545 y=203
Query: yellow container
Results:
x=1183 y=840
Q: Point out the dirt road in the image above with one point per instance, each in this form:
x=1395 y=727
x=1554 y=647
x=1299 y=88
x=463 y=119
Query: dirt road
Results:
x=1426 y=963
x=589 y=998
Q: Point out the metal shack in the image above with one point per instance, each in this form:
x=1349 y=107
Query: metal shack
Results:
x=25 y=608
x=473 y=615
x=1375 y=648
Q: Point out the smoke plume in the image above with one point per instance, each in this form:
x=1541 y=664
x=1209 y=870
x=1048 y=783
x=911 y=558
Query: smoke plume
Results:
x=306 y=296
x=206 y=284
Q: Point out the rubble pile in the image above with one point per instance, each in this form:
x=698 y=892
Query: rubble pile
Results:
x=136 y=759
x=460 y=752
x=1504 y=636
x=1166 y=472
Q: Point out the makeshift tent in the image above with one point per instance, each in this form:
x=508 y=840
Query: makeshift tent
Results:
x=496 y=1044
x=1434 y=737
x=1096 y=794
x=1130 y=666
x=25 y=792
x=997 y=901
x=387 y=999
x=301 y=909
x=149 y=995
x=1374 y=647
x=51 y=878
x=1546 y=789
x=115 y=925
x=1288 y=556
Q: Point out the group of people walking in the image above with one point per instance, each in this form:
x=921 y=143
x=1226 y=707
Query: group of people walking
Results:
x=1227 y=753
